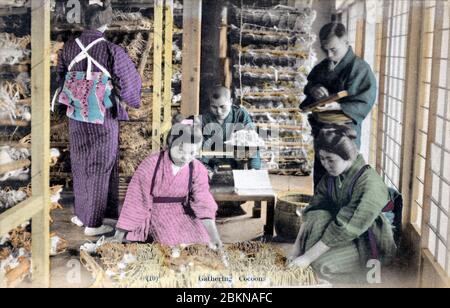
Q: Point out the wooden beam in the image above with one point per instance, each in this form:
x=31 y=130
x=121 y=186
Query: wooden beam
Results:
x=192 y=32
x=426 y=46
x=409 y=115
x=223 y=41
x=17 y=165
x=19 y=214
x=375 y=112
x=40 y=144
x=436 y=65
x=168 y=65
x=360 y=37
x=16 y=145
x=379 y=35
x=228 y=75
x=16 y=123
x=446 y=132
x=157 y=76
x=382 y=89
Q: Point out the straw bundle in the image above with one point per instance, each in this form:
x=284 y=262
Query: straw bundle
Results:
x=10 y=198
x=130 y=21
x=60 y=130
x=13 y=50
x=247 y=265
x=263 y=50
x=144 y=112
x=56 y=48
x=21 y=87
x=15 y=254
x=135 y=143
x=10 y=105
x=280 y=17
x=136 y=47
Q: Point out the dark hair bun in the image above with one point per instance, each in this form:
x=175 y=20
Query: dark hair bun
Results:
x=346 y=131
x=338 y=139
x=332 y=29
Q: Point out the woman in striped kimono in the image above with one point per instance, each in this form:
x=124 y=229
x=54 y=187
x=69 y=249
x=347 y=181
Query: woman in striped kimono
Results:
x=344 y=222
x=94 y=147
x=168 y=200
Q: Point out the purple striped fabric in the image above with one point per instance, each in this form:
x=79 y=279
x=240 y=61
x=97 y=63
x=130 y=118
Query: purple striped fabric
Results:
x=126 y=79
x=94 y=156
x=94 y=148
x=167 y=224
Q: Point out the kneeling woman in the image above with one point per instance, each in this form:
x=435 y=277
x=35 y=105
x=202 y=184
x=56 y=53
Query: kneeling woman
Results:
x=344 y=221
x=168 y=200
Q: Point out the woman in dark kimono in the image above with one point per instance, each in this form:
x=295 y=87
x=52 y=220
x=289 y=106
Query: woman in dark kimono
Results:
x=94 y=146
x=344 y=226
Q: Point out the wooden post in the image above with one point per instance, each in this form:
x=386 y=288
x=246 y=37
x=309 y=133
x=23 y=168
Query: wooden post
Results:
x=381 y=104
x=157 y=76
x=360 y=38
x=168 y=66
x=426 y=46
x=225 y=61
x=40 y=130
x=447 y=4
x=192 y=28
x=409 y=116
x=439 y=21
x=374 y=119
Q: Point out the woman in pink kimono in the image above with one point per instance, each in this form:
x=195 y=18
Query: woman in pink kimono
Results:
x=168 y=200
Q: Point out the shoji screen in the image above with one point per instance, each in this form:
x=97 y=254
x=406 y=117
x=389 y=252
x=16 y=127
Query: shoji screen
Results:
x=393 y=93
x=423 y=112
x=438 y=178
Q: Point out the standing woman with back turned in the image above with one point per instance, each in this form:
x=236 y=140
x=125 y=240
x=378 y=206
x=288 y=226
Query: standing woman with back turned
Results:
x=97 y=78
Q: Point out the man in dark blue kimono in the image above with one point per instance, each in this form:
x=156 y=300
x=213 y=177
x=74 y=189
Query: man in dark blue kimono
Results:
x=219 y=123
x=342 y=70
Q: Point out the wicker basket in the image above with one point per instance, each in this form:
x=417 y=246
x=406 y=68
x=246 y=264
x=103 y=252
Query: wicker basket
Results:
x=288 y=218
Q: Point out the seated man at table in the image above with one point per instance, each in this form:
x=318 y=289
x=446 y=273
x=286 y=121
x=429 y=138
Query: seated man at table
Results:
x=219 y=123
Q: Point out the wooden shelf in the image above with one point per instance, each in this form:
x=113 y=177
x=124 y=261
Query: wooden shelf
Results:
x=260 y=30
x=14 y=69
x=16 y=145
x=60 y=175
x=25 y=101
x=278 y=171
x=74 y=29
x=277 y=94
x=275 y=125
x=8 y=11
x=17 y=123
x=17 y=165
x=275 y=110
x=286 y=144
x=59 y=144
x=14 y=216
x=295 y=54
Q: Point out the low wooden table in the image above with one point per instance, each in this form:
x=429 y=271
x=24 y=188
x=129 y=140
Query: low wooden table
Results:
x=227 y=194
